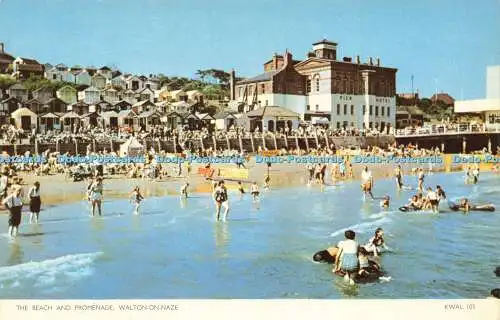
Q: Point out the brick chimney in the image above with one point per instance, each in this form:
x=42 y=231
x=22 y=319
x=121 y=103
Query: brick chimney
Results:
x=1 y=47
x=378 y=62
x=275 y=61
x=370 y=61
x=288 y=59
x=358 y=59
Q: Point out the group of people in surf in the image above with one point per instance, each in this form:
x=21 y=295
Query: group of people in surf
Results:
x=14 y=202
x=430 y=201
x=356 y=263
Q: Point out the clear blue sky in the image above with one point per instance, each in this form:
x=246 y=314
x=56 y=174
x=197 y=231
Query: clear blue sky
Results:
x=443 y=42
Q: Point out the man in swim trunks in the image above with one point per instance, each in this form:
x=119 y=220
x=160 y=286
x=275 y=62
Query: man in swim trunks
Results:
x=432 y=199
x=367 y=182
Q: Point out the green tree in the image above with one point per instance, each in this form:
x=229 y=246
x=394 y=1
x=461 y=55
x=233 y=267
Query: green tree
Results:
x=6 y=81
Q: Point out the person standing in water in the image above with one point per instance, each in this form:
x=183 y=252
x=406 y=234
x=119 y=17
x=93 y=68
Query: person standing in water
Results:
x=475 y=174
x=240 y=188
x=137 y=198
x=96 y=190
x=367 y=182
x=398 y=174
x=432 y=199
x=346 y=259
x=35 y=202
x=266 y=182
x=184 y=192
x=14 y=203
x=4 y=183
x=421 y=177
x=254 y=191
x=221 y=200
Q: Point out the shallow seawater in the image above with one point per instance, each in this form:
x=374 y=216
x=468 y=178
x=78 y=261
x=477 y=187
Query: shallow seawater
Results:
x=175 y=249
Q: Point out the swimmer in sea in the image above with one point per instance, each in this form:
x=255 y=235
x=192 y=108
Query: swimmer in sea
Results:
x=385 y=202
x=254 y=191
x=136 y=199
x=184 y=192
x=464 y=205
x=440 y=193
x=376 y=243
x=414 y=204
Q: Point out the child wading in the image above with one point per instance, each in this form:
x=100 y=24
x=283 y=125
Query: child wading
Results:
x=137 y=199
x=14 y=203
x=35 y=202
x=346 y=259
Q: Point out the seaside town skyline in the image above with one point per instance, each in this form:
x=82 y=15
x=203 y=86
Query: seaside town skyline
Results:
x=144 y=51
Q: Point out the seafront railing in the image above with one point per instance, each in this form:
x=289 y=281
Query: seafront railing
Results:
x=445 y=130
x=249 y=145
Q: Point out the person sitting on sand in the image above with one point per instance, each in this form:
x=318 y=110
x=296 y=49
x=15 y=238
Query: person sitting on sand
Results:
x=346 y=259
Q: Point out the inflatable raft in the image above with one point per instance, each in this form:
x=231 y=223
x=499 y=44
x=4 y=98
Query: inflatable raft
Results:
x=485 y=207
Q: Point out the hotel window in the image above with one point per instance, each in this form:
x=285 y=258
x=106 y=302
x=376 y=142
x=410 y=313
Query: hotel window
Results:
x=345 y=124
x=388 y=111
x=370 y=125
x=317 y=107
x=352 y=124
x=308 y=107
x=262 y=88
x=267 y=102
x=338 y=125
x=345 y=109
x=308 y=85
x=376 y=111
x=364 y=109
x=383 y=111
x=371 y=109
x=317 y=84
x=352 y=109
x=338 y=109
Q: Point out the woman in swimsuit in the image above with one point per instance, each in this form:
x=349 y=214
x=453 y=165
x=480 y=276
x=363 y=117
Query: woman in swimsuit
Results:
x=96 y=190
x=137 y=199
x=35 y=202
